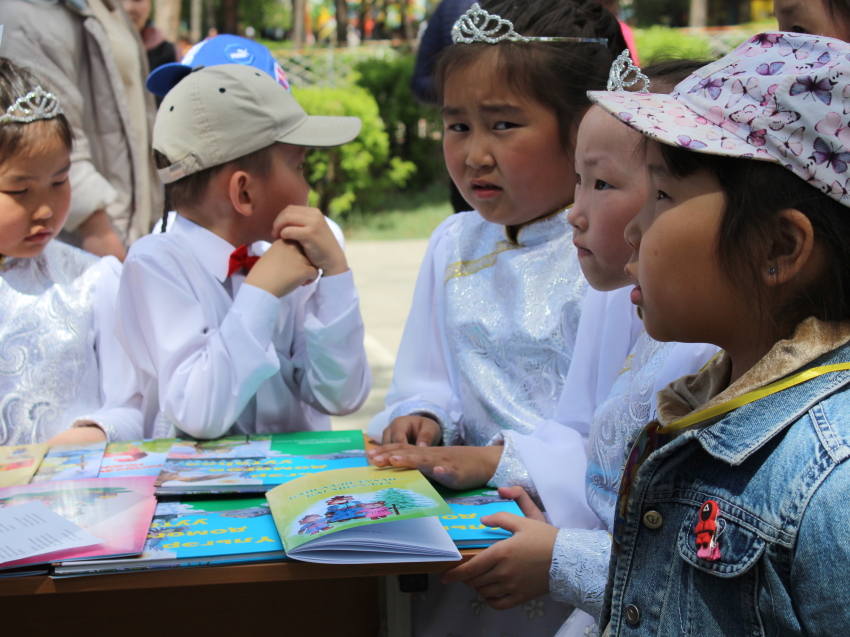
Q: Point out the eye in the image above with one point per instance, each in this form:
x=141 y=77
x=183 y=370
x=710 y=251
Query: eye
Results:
x=14 y=192
x=798 y=29
x=61 y=182
x=457 y=128
x=601 y=185
x=578 y=179
x=661 y=196
x=505 y=125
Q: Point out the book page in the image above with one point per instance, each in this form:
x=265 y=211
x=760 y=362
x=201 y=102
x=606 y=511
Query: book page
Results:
x=31 y=529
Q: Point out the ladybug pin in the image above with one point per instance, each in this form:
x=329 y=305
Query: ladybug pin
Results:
x=707 y=532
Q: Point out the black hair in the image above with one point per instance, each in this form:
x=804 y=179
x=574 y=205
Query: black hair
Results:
x=665 y=75
x=756 y=191
x=190 y=191
x=556 y=74
x=15 y=82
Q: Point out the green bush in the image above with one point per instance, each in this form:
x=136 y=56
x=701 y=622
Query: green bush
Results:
x=659 y=42
x=355 y=176
x=415 y=130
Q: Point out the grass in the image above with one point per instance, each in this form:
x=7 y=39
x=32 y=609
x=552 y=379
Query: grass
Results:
x=413 y=216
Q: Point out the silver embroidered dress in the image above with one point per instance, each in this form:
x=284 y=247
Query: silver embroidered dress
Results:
x=56 y=337
x=490 y=336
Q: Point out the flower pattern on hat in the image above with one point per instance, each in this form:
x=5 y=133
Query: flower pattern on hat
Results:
x=779 y=97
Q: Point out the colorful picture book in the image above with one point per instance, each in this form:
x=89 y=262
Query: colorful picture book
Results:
x=118 y=511
x=362 y=515
x=71 y=462
x=19 y=463
x=468 y=507
x=138 y=458
x=197 y=533
x=254 y=464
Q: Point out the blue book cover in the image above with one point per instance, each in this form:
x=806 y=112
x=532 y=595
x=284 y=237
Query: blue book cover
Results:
x=468 y=507
x=256 y=463
x=198 y=533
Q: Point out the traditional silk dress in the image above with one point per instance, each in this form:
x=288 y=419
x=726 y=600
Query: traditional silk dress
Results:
x=59 y=359
x=485 y=351
x=580 y=559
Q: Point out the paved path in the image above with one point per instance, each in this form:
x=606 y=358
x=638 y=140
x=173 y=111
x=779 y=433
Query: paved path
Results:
x=385 y=273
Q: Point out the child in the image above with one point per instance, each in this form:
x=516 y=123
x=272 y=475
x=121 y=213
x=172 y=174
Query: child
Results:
x=818 y=17
x=219 y=351
x=60 y=364
x=743 y=243
x=573 y=563
x=490 y=336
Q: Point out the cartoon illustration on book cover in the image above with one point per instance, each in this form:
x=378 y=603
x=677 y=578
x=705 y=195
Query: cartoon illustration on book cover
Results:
x=136 y=458
x=71 y=462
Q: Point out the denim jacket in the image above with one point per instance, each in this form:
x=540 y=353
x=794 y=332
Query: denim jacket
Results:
x=777 y=470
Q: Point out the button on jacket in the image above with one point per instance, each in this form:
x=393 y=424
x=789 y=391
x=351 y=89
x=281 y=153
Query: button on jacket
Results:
x=777 y=469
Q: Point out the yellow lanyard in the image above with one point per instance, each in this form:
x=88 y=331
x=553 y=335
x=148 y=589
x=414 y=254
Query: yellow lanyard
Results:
x=751 y=397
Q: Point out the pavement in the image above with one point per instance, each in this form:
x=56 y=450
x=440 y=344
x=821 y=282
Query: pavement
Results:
x=385 y=274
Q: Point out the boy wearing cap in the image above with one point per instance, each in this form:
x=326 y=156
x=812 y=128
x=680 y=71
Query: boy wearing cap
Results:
x=225 y=342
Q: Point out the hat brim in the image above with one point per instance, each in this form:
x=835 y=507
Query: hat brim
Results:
x=664 y=118
x=323 y=132
x=164 y=78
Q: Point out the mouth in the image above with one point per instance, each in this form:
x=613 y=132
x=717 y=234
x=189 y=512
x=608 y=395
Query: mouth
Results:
x=582 y=251
x=39 y=237
x=484 y=190
x=636 y=295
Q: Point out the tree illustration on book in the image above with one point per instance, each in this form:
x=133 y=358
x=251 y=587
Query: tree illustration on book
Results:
x=401 y=499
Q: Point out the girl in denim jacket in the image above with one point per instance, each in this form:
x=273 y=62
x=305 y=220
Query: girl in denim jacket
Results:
x=731 y=518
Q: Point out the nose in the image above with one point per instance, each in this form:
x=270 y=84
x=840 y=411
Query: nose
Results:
x=575 y=216
x=43 y=212
x=478 y=153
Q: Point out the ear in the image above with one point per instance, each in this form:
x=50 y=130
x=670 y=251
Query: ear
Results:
x=240 y=189
x=792 y=248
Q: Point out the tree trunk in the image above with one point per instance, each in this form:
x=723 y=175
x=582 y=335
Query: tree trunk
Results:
x=231 y=22
x=341 y=23
x=298 y=9
x=195 y=21
x=211 y=20
x=699 y=13
x=168 y=18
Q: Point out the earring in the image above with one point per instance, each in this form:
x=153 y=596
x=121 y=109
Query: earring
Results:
x=772 y=271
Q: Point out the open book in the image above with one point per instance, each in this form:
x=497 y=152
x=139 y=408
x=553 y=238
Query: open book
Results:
x=362 y=515
x=256 y=463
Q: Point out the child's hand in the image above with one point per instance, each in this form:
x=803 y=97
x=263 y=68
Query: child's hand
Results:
x=455 y=467
x=513 y=571
x=282 y=269
x=78 y=435
x=308 y=227
x=416 y=430
x=524 y=502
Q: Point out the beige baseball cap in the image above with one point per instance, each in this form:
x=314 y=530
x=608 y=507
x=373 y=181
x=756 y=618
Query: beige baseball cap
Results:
x=224 y=112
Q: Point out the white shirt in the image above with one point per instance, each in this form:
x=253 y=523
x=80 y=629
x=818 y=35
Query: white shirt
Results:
x=216 y=356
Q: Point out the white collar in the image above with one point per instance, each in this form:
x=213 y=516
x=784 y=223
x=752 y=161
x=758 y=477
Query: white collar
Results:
x=211 y=250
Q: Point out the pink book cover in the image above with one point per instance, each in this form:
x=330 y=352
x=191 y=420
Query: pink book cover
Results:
x=117 y=511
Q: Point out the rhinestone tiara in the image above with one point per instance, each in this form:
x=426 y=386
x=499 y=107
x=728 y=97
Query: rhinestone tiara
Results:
x=37 y=104
x=621 y=69
x=477 y=25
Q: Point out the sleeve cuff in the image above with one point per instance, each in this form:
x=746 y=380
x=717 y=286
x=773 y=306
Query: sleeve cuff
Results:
x=87 y=421
x=579 y=570
x=511 y=471
x=334 y=296
x=259 y=311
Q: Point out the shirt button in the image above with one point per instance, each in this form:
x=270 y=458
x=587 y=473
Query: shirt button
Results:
x=652 y=520
x=632 y=614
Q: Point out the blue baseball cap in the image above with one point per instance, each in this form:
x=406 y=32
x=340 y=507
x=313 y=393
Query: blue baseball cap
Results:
x=222 y=49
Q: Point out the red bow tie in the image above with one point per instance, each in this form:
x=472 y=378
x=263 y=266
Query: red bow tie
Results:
x=239 y=259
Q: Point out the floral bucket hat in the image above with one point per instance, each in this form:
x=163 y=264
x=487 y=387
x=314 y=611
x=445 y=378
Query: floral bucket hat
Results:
x=780 y=97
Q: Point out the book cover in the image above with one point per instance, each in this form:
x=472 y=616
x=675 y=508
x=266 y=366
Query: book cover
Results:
x=256 y=463
x=19 y=463
x=118 y=511
x=468 y=507
x=317 y=506
x=137 y=458
x=71 y=462
x=197 y=533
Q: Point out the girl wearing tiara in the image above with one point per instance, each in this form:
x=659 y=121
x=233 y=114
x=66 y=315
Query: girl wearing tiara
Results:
x=490 y=336
x=63 y=376
x=729 y=518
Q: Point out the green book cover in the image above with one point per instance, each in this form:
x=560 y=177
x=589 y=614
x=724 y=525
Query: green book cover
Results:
x=323 y=503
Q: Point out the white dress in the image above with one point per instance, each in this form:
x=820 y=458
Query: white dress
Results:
x=579 y=568
x=59 y=359
x=486 y=349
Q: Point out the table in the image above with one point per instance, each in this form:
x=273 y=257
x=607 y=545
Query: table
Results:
x=283 y=598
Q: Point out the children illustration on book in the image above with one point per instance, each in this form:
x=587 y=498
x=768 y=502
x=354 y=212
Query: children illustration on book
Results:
x=313 y=524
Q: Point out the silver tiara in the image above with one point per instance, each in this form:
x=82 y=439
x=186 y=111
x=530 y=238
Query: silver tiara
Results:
x=37 y=104
x=476 y=25
x=621 y=69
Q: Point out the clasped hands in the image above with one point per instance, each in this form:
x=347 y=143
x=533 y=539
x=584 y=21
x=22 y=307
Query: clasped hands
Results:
x=509 y=573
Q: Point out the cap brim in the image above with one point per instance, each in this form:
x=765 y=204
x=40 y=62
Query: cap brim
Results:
x=323 y=132
x=664 y=118
x=164 y=78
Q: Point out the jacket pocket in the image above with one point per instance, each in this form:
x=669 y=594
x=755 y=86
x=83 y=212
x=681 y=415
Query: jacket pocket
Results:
x=740 y=547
